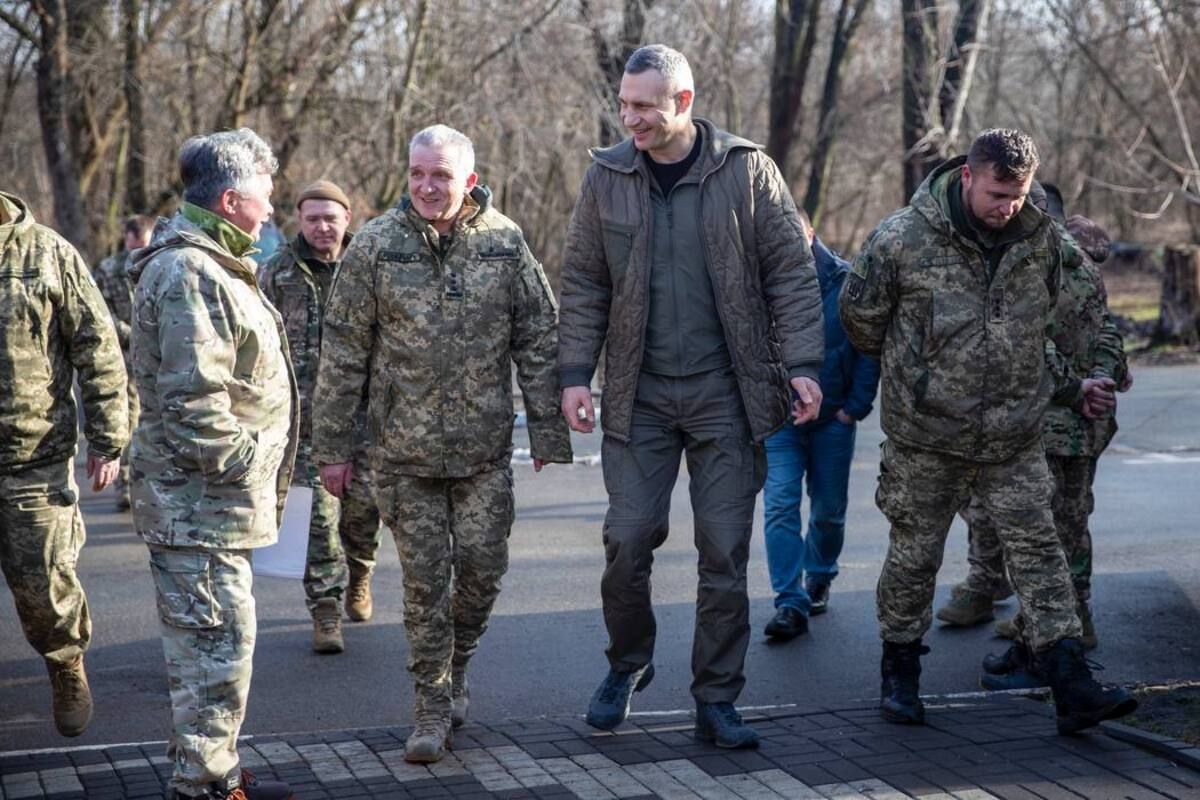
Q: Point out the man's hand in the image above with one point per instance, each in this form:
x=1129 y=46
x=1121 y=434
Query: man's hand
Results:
x=843 y=417
x=577 y=408
x=336 y=477
x=102 y=471
x=1098 y=397
x=1127 y=383
x=538 y=464
x=808 y=405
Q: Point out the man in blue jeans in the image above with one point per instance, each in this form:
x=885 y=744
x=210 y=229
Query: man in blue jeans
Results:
x=819 y=453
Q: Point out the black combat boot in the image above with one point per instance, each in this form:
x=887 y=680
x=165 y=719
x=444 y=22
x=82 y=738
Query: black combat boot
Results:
x=1013 y=669
x=1079 y=699
x=900 y=667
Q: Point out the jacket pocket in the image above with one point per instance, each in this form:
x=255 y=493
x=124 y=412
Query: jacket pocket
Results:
x=184 y=589
x=618 y=246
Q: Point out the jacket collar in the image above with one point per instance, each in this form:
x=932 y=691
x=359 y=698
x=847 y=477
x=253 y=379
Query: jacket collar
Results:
x=718 y=144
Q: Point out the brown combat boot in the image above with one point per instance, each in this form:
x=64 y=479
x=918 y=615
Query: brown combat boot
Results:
x=359 y=605
x=71 y=696
x=327 y=626
x=460 y=698
x=966 y=608
x=430 y=739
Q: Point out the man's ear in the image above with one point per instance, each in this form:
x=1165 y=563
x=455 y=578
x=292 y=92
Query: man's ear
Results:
x=966 y=176
x=684 y=98
x=472 y=179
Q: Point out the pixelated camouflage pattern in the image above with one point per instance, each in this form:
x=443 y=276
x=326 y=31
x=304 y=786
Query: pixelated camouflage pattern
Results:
x=1085 y=335
x=967 y=367
x=53 y=326
x=920 y=491
x=452 y=537
x=1091 y=237
x=206 y=613
x=1071 y=505
x=41 y=534
x=213 y=454
x=343 y=535
x=436 y=335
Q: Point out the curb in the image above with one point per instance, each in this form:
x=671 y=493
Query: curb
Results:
x=1178 y=751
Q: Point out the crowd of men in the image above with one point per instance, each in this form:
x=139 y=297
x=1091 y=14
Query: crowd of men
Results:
x=376 y=370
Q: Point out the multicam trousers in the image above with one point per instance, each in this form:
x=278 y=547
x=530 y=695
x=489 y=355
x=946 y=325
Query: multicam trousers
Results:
x=206 y=611
x=452 y=536
x=920 y=492
x=41 y=534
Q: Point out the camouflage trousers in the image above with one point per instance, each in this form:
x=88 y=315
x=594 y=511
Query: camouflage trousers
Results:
x=452 y=537
x=1072 y=504
x=343 y=536
x=206 y=611
x=920 y=492
x=41 y=534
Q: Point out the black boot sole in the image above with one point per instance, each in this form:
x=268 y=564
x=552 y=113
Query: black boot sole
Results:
x=711 y=738
x=1076 y=721
x=916 y=717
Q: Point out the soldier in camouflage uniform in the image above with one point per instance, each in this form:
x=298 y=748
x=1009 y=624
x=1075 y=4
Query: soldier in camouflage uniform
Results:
x=342 y=535
x=213 y=451
x=53 y=326
x=112 y=276
x=433 y=302
x=1084 y=333
x=955 y=293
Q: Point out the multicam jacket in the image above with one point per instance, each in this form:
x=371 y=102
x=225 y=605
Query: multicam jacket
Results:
x=214 y=449
x=112 y=276
x=287 y=280
x=968 y=369
x=435 y=331
x=757 y=256
x=1087 y=338
x=53 y=324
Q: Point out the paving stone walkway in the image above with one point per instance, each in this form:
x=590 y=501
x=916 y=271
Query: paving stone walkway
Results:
x=996 y=747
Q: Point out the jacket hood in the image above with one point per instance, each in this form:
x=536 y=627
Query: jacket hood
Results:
x=179 y=231
x=623 y=157
x=480 y=196
x=932 y=200
x=15 y=214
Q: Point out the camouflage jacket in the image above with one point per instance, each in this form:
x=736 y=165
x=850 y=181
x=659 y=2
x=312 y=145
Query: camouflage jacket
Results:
x=757 y=256
x=434 y=335
x=287 y=280
x=1086 y=336
x=112 y=276
x=968 y=368
x=53 y=324
x=215 y=444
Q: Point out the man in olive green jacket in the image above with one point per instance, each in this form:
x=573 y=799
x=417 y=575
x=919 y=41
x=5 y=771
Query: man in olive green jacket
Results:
x=685 y=260
x=53 y=327
x=214 y=448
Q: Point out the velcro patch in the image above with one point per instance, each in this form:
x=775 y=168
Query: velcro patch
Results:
x=399 y=256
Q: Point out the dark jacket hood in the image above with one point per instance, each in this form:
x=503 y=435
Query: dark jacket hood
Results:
x=932 y=201
x=623 y=157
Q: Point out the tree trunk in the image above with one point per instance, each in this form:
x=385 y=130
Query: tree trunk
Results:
x=844 y=28
x=52 y=98
x=135 y=172
x=795 y=37
x=969 y=32
x=919 y=26
x=1179 y=308
x=611 y=60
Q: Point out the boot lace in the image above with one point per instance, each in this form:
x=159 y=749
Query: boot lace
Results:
x=67 y=685
x=328 y=619
x=725 y=715
x=429 y=724
x=357 y=591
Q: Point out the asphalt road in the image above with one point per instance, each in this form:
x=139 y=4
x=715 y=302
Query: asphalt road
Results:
x=544 y=651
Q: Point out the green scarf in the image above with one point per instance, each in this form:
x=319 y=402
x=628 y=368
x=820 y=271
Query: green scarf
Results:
x=221 y=230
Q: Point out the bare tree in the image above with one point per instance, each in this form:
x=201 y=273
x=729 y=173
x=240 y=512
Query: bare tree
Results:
x=795 y=37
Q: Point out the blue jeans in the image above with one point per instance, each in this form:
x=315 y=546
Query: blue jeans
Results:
x=820 y=457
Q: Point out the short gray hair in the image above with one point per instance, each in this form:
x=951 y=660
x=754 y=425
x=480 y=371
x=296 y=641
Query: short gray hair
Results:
x=212 y=163
x=671 y=64
x=441 y=136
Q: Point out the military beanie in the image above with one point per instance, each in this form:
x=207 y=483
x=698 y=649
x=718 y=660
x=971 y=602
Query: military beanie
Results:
x=1091 y=237
x=324 y=190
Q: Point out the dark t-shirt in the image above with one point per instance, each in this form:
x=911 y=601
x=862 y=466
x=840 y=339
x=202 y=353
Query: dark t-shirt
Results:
x=667 y=175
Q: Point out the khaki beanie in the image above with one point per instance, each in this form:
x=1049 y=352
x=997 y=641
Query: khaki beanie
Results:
x=324 y=190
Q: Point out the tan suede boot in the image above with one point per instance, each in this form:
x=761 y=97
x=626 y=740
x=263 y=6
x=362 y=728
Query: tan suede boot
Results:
x=72 y=697
x=430 y=739
x=460 y=698
x=327 y=626
x=359 y=605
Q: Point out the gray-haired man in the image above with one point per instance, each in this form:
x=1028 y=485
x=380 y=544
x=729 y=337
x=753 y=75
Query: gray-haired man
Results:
x=433 y=303
x=214 y=448
x=685 y=259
